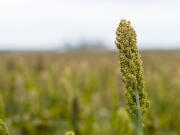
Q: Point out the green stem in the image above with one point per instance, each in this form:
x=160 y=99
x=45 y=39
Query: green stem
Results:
x=140 y=130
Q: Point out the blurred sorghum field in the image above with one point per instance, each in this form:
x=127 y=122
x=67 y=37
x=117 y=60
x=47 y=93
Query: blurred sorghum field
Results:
x=51 y=93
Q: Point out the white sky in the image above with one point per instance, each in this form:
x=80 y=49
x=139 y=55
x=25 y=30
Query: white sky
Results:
x=43 y=24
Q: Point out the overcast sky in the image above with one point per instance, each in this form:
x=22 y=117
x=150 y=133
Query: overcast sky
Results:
x=43 y=24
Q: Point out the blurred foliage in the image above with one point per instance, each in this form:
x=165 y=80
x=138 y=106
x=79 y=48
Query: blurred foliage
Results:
x=51 y=93
x=3 y=128
x=69 y=133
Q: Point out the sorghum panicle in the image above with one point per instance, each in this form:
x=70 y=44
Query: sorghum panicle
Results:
x=131 y=66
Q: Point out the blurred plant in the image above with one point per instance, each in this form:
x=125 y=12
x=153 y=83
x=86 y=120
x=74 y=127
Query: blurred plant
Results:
x=150 y=123
x=121 y=124
x=3 y=128
x=69 y=133
x=131 y=71
x=1 y=106
x=75 y=113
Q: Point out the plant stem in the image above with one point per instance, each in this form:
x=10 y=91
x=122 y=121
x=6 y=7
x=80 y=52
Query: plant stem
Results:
x=140 y=130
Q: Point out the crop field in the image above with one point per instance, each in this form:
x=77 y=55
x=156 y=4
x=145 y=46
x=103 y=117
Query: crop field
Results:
x=48 y=93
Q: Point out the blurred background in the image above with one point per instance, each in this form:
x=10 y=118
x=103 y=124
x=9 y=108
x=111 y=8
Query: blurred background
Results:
x=59 y=66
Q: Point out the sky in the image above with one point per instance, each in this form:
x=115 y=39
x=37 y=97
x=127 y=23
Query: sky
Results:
x=48 y=24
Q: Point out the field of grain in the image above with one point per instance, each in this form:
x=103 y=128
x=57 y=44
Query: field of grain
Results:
x=45 y=93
